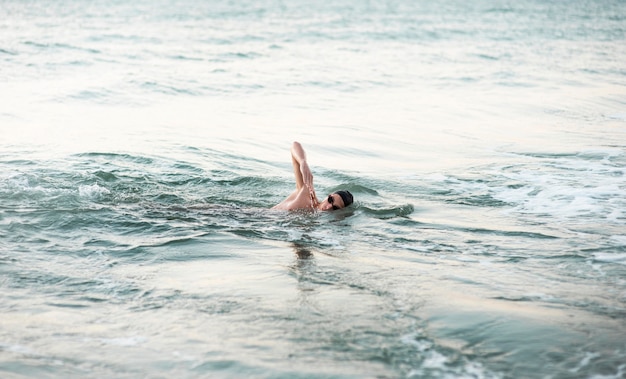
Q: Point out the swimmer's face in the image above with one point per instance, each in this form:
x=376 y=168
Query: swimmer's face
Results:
x=332 y=203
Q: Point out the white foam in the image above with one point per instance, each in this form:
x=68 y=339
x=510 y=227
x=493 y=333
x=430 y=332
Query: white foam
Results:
x=611 y=257
x=22 y=184
x=567 y=188
x=413 y=339
x=123 y=341
x=587 y=185
x=435 y=360
x=93 y=191
x=18 y=182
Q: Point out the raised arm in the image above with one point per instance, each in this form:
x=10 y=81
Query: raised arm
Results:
x=304 y=195
x=301 y=170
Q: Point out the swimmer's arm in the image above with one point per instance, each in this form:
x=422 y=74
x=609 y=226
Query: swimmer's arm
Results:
x=301 y=169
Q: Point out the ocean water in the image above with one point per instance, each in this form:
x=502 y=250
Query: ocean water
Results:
x=143 y=142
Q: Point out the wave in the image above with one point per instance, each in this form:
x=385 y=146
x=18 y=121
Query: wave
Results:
x=387 y=213
x=8 y=52
x=112 y=157
x=65 y=46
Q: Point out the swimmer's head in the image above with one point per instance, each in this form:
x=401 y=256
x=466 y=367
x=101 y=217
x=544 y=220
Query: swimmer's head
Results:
x=346 y=196
x=337 y=200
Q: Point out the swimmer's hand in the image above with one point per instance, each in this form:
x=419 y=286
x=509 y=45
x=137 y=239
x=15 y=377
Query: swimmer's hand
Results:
x=314 y=202
x=307 y=176
x=304 y=177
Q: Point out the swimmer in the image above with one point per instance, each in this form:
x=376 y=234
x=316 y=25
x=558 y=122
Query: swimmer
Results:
x=304 y=196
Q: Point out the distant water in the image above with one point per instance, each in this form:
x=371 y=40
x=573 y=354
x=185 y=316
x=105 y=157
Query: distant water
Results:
x=143 y=142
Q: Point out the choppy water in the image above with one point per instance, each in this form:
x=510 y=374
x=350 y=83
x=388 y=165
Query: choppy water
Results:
x=142 y=144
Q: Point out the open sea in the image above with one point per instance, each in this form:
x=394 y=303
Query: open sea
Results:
x=143 y=142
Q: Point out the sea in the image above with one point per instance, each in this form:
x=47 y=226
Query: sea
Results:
x=143 y=143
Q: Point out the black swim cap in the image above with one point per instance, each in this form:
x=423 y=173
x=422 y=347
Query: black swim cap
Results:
x=346 y=196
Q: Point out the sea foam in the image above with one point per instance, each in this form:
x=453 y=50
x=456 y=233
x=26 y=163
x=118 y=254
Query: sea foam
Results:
x=93 y=191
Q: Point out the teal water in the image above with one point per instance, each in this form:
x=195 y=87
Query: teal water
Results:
x=143 y=143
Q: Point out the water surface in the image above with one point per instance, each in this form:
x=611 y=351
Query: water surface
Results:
x=143 y=143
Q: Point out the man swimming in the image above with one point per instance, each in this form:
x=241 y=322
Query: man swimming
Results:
x=304 y=196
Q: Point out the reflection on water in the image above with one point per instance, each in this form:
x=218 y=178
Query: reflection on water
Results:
x=302 y=252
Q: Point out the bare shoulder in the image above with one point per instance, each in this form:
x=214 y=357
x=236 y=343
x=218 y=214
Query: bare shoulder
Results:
x=299 y=199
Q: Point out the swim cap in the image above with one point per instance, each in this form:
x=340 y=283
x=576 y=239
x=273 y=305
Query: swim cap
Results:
x=346 y=196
